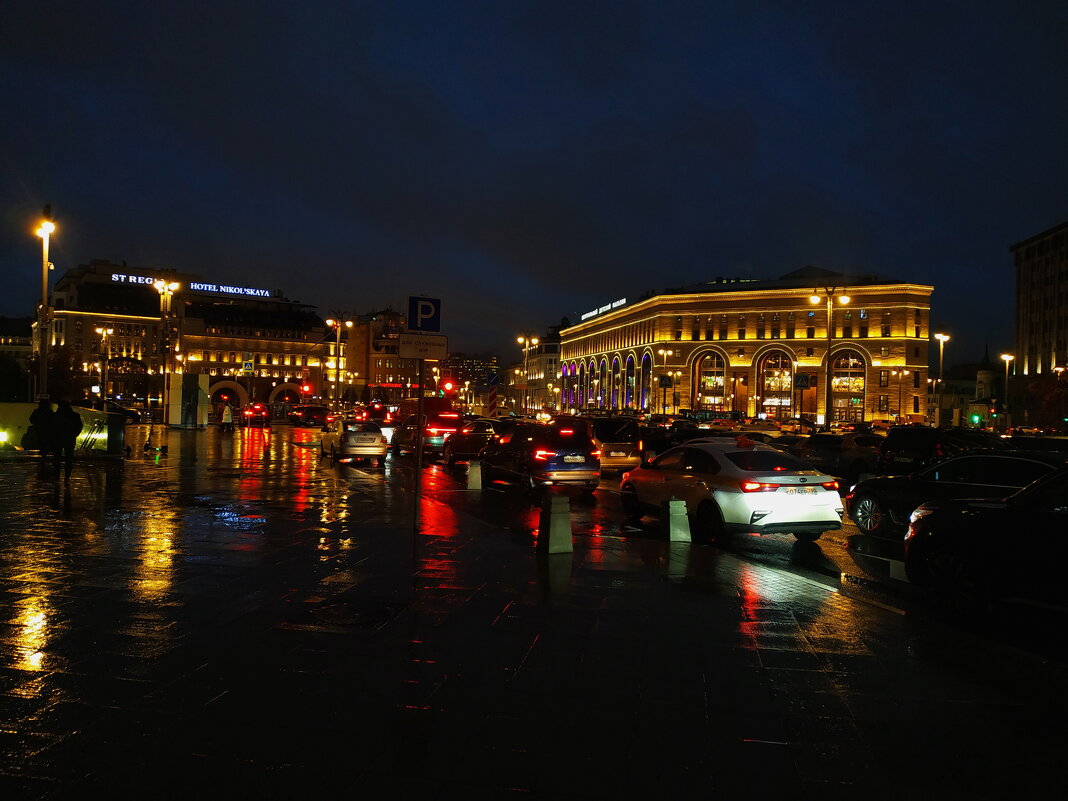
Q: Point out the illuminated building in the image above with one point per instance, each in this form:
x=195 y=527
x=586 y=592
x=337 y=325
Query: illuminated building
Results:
x=756 y=347
x=1042 y=301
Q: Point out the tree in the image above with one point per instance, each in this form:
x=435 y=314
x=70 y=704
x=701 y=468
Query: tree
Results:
x=14 y=380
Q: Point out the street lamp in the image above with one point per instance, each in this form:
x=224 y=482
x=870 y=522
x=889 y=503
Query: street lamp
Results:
x=46 y=229
x=843 y=299
x=337 y=325
x=663 y=387
x=1062 y=423
x=166 y=291
x=674 y=385
x=942 y=340
x=104 y=356
x=900 y=380
x=526 y=341
x=1007 y=357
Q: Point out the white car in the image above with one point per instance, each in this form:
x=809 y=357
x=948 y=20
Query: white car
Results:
x=349 y=440
x=736 y=485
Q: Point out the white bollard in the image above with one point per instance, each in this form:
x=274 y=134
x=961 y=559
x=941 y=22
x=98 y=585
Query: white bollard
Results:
x=474 y=475
x=678 y=524
x=554 y=528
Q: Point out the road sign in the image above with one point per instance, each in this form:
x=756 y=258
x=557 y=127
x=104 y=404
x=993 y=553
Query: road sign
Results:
x=424 y=314
x=492 y=380
x=246 y=368
x=422 y=346
x=801 y=381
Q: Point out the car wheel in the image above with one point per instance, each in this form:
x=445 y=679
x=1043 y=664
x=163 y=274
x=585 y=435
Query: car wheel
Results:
x=709 y=522
x=631 y=506
x=955 y=585
x=395 y=449
x=381 y=461
x=333 y=455
x=527 y=482
x=807 y=536
x=869 y=515
x=450 y=458
x=322 y=451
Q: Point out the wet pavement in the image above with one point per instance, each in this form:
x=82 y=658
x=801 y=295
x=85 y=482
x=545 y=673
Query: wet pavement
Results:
x=237 y=619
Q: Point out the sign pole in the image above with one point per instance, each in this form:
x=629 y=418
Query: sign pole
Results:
x=421 y=424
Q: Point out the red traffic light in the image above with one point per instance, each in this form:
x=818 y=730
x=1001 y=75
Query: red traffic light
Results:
x=447 y=386
x=305 y=388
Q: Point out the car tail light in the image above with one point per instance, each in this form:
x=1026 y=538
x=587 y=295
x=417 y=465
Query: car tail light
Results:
x=758 y=486
x=830 y=485
x=595 y=454
x=939 y=450
x=388 y=418
x=567 y=431
x=435 y=431
x=543 y=455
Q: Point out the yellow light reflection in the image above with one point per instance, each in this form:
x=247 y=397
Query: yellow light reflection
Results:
x=32 y=636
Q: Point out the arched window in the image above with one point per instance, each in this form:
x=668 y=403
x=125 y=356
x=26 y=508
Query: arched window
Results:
x=775 y=384
x=711 y=373
x=847 y=385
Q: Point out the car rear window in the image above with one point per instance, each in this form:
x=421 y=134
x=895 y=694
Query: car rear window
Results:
x=616 y=430
x=361 y=427
x=827 y=442
x=760 y=461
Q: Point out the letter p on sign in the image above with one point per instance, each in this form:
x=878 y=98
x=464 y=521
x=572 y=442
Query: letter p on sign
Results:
x=424 y=314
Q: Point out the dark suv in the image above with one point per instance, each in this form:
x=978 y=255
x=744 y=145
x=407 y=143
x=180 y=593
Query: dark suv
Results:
x=908 y=448
x=308 y=416
x=536 y=455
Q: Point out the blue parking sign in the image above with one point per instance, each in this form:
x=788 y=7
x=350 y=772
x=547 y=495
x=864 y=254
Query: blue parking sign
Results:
x=424 y=314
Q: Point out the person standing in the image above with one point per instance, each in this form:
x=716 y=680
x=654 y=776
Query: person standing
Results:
x=227 y=417
x=43 y=420
x=68 y=427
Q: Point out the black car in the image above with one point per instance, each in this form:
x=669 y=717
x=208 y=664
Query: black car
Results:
x=535 y=455
x=437 y=428
x=475 y=434
x=908 y=448
x=881 y=507
x=843 y=455
x=968 y=554
x=255 y=414
x=308 y=416
x=128 y=415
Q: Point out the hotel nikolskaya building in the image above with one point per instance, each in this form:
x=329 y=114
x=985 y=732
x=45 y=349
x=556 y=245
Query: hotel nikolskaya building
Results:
x=124 y=327
x=757 y=347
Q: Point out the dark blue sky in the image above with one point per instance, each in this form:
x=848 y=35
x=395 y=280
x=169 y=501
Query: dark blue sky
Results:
x=529 y=160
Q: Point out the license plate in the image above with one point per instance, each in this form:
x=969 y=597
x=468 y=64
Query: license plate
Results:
x=617 y=453
x=571 y=459
x=903 y=459
x=800 y=490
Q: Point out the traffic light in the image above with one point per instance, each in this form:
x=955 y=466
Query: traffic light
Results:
x=975 y=419
x=306 y=389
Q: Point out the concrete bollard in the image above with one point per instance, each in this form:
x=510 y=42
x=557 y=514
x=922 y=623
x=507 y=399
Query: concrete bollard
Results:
x=676 y=521
x=554 y=528
x=474 y=475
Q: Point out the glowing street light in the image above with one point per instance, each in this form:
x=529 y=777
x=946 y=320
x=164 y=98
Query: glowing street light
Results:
x=105 y=355
x=663 y=389
x=942 y=340
x=166 y=291
x=843 y=299
x=1007 y=357
x=337 y=325
x=526 y=341
x=900 y=380
x=45 y=230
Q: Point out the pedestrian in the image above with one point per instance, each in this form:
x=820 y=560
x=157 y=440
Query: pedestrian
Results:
x=68 y=427
x=228 y=417
x=43 y=431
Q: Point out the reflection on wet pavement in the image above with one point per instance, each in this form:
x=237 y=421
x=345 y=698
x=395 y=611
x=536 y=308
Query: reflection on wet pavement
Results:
x=236 y=617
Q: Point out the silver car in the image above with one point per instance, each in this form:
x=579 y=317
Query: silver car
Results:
x=349 y=440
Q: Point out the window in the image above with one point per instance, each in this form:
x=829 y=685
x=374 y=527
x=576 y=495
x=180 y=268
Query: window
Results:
x=884 y=351
x=847 y=325
x=915 y=404
x=791 y=324
x=741 y=326
x=775 y=327
x=916 y=379
x=761 y=327
x=678 y=329
x=884 y=403
x=886 y=324
x=810 y=351
x=884 y=378
x=723 y=326
x=810 y=332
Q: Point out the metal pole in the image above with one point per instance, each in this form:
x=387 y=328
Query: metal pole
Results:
x=43 y=323
x=829 y=395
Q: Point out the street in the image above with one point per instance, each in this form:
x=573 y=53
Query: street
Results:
x=236 y=617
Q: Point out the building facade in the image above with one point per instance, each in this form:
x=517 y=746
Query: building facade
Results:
x=757 y=348
x=1042 y=301
x=125 y=328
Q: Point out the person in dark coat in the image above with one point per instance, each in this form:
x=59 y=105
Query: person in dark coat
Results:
x=43 y=420
x=68 y=427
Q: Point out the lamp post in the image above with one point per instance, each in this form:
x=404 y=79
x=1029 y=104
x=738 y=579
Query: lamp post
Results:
x=900 y=374
x=843 y=299
x=166 y=291
x=663 y=389
x=337 y=325
x=1006 y=357
x=675 y=377
x=942 y=340
x=105 y=354
x=1062 y=423
x=526 y=341
x=46 y=229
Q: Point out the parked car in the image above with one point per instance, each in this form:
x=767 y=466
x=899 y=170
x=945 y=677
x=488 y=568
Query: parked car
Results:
x=846 y=456
x=881 y=507
x=736 y=485
x=968 y=554
x=464 y=445
x=308 y=416
x=620 y=442
x=436 y=429
x=128 y=415
x=908 y=448
x=348 y=439
x=540 y=455
x=255 y=414
x=798 y=425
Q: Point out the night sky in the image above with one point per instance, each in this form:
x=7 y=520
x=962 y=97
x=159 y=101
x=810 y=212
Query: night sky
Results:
x=526 y=161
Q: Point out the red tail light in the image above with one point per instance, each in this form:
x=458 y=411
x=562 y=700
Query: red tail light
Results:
x=758 y=486
x=939 y=450
x=830 y=485
x=389 y=417
x=567 y=431
x=433 y=432
x=544 y=456
x=595 y=454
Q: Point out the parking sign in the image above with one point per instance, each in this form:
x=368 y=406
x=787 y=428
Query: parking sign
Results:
x=424 y=314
